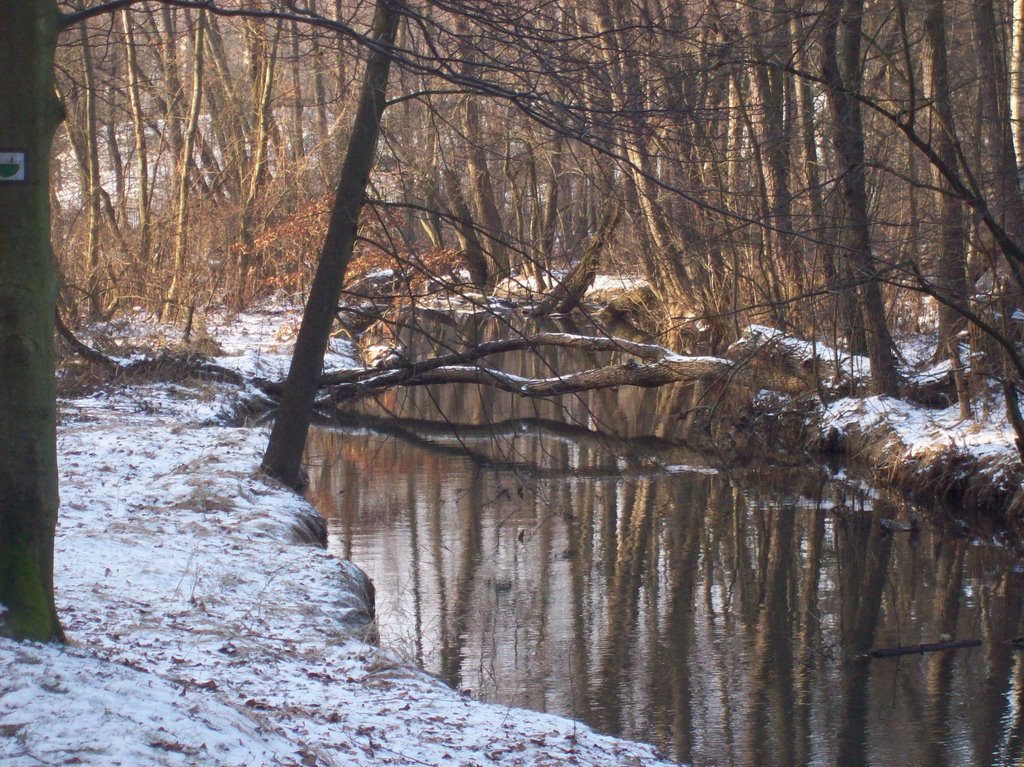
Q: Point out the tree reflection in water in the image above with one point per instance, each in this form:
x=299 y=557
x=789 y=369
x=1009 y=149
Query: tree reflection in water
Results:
x=724 y=616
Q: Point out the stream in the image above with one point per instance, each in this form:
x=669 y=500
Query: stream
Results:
x=571 y=557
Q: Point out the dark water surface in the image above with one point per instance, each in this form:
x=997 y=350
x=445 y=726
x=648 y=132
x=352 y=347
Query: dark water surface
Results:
x=723 y=615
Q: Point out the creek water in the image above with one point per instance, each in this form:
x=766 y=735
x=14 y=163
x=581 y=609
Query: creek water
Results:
x=568 y=557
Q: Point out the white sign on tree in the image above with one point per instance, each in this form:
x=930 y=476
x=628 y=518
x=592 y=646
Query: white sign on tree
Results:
x=12 y=166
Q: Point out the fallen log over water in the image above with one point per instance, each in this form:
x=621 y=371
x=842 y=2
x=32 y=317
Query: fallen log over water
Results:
x=649 y=365
x=646 y=365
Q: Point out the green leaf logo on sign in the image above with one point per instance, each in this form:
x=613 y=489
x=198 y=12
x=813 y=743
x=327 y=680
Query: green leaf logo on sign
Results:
x=12 y=166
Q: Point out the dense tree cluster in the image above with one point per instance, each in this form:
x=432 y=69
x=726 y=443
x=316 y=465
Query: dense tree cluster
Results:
x=821 y=168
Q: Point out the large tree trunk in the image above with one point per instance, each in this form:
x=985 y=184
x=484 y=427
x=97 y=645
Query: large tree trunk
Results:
x=482 y=187
x=841 y=73
x=28 y=454
x=1003 y=185
x=773 y=128
x=283 y=458
x=480 y=271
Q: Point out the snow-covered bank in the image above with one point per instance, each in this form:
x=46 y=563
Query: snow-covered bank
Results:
x=202 y=630
x=933 y=455
x=930 y=454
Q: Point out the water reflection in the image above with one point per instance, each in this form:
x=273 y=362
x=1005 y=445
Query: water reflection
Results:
x=724 y=617
x=569 y=557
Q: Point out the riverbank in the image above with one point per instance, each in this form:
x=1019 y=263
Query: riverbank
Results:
x=203 y=626
x=969 y=469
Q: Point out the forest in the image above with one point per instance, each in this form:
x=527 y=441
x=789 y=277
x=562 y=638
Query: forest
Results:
x=797 y=228
x=843 y=172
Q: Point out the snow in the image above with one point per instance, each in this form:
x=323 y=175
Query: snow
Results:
x=857 y=367
x=259 y=343
x=922 y=431
x=202 y=630
x=617 y=282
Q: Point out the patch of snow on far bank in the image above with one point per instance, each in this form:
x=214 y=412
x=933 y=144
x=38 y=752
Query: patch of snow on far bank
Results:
x=617 y=282
x=260 y=343
x=922 y=430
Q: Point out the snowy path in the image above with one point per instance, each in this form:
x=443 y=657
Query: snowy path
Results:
x=201 y=633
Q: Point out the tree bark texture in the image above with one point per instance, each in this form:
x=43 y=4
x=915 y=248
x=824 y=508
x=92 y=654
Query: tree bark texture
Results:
x=283 y=458
x=841 y=73
x=951 y=269
x=568 y=294
x=139 y=136
x=28 y=454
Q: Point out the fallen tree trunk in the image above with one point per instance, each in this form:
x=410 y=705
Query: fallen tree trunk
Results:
x=650 y=365
x=567 y=294
x=167 y=364
x=646 y=366
x=919 y=649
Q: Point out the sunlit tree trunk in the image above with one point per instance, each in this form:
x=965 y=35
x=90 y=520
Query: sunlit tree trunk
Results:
x=774 y=130
x=1017 y=77
x=296 y=141
x=549 y=221
x=229 y=116
x=139 y=136
x=319 y=88
x=91 y=162
x=465 y=230
x=173 y=91
x=952 y=258
x=266 y=53
x=184 y=164
x=28 y=461
x=481 y=187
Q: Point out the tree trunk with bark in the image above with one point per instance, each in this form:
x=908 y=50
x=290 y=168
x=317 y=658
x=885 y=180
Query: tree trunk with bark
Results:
x=841 y=73
x=952 y=258
x=91 y=176
x=139 y=136
x=28 y=459
x=567 y=294
x=184 y=163
x=283 y=458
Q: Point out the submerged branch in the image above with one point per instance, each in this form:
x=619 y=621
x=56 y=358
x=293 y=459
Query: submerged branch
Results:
x=919 y=649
